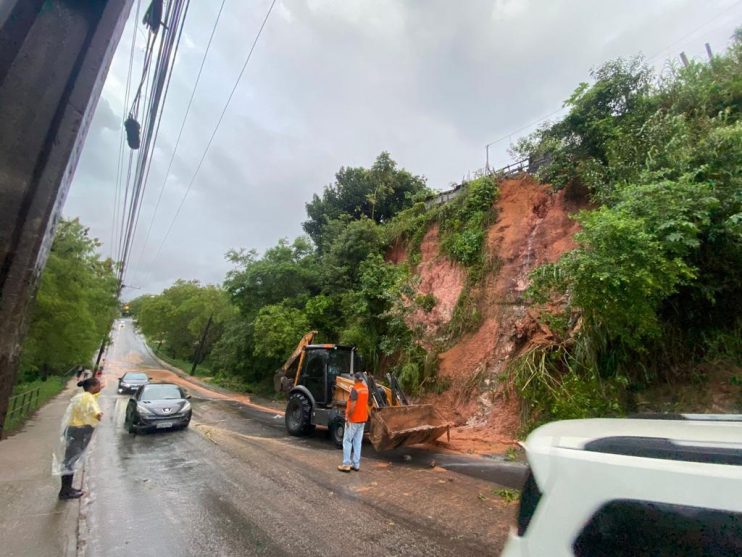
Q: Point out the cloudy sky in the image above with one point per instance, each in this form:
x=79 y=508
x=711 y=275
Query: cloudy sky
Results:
x=333 y=83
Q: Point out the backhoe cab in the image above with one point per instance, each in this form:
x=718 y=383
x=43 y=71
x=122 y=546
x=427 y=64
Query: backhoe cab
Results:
x=318 y=379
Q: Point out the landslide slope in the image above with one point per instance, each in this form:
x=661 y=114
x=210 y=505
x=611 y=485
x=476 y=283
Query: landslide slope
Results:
x=533 y=226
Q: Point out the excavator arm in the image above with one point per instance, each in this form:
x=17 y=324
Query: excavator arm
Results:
x=284 y=375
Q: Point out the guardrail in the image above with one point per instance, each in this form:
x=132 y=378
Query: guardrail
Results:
x=22 y=404
x=508 y=170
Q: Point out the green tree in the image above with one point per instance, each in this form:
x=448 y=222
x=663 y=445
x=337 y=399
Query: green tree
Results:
x=75 y=305
x=178 y=317
x=285 y=272
x=377 y=193
x=277 y=330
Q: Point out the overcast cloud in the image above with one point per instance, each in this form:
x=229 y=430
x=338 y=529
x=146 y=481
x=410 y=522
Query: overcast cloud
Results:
x=334 y=83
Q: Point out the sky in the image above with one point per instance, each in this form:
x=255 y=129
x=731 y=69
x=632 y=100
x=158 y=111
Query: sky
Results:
x=333 y=83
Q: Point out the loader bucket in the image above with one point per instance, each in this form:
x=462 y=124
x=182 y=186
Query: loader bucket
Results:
x=398 y=426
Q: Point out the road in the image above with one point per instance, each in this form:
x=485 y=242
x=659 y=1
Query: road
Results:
x=235 y=484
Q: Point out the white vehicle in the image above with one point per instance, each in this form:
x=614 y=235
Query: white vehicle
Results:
x=632 y=487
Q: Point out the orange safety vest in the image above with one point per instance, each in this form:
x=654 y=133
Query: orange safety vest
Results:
x=360 y=412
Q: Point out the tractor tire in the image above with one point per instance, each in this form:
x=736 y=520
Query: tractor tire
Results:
x=299 y=415
x=336 y=430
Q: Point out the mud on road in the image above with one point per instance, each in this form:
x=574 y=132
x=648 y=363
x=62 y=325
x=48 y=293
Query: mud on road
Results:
x=236 y=484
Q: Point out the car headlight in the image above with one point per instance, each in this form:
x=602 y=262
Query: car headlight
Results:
x=186 y=407
x=143 y=409
x=126 y=385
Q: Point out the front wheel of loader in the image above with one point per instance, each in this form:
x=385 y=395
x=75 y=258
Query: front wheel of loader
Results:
x=299 y=415
x=336 y=430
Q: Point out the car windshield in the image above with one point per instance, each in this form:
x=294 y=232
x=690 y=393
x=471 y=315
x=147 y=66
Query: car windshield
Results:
x=135 y=377
x=161 y=392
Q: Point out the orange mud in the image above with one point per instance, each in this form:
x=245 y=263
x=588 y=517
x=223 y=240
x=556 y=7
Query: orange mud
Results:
x=171 y=377
x=533 y=227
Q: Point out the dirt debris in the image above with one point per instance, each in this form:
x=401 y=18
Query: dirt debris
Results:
x=533 y=226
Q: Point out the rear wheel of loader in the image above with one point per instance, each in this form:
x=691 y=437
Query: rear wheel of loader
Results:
x=299 y=415
x=336 y=430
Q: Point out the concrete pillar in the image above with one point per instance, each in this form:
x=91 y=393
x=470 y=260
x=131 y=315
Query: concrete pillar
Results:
x=54 y=56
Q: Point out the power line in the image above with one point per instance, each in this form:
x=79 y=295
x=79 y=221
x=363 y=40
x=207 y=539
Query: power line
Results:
x=216 y=128
x=160 y=79
x=543 y=119
x=681 y=39
x=163 y=88
x=180 y=132
x=117 y=193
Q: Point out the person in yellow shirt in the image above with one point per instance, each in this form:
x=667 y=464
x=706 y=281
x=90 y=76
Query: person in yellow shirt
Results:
x=82 y=416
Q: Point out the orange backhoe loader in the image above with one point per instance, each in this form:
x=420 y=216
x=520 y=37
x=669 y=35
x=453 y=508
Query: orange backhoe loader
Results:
x=318 y=378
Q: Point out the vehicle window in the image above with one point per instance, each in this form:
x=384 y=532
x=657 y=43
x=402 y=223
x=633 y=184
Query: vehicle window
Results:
x=338 y=363
x=160 y=392
x=625 y=528
x=313 y=377
x=135 y=376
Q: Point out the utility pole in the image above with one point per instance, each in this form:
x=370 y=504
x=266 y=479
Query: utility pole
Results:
x=709 y=53
x=54 y=57
x=197 y=357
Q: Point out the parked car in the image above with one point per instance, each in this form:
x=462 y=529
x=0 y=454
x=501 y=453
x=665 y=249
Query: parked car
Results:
x=632 y=487
x=131 y=381
x=158 y=406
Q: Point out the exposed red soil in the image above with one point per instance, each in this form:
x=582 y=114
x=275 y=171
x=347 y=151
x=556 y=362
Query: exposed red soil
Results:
x=533 y=227
x=397 y=253
x=440 y=277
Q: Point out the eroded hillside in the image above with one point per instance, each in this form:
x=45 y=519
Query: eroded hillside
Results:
x=532 y=226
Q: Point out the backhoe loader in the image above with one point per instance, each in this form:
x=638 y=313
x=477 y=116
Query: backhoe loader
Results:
x=318 y=378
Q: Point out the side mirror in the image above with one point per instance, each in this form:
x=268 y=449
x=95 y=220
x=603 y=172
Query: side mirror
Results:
x=188 y=397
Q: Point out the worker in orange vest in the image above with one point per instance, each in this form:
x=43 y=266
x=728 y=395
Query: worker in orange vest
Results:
x=356 y=416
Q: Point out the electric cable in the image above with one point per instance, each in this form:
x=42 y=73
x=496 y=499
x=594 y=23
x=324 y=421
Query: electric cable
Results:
x=659 y=52
x=165 y=73
x=119 y=165
x=216 y=128
x=160 y=78
x=180 y=132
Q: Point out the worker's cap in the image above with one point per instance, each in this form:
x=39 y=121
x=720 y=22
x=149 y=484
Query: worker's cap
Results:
x=358 y=375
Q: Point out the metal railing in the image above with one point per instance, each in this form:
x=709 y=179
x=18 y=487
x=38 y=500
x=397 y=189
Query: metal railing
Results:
x=21 y=405
x=508 y=170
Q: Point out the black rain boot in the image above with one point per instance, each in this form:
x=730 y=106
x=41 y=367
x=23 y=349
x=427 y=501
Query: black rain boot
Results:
x=67 y=492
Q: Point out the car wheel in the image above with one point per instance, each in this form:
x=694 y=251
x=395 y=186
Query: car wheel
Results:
x=298 y=415
x=336 y=429
x=129 y=424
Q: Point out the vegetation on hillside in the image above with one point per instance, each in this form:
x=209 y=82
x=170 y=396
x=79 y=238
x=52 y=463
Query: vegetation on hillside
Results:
x=336 y=281
x=74 y=307
x=654 y=286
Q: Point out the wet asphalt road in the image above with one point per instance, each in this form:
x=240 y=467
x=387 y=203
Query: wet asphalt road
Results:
x=235 y=484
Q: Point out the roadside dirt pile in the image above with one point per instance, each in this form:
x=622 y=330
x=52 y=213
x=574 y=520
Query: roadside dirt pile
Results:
x=533 y=226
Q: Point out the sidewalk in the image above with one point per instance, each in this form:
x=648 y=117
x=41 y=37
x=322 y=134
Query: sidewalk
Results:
x=33 y=522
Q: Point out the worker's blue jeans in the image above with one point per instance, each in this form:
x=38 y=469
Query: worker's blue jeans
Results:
x=352 y=439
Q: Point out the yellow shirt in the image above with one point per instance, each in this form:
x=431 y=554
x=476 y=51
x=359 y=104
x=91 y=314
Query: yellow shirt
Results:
x=84 y=410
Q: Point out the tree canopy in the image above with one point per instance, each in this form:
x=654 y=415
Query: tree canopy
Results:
x=74 y=307
x=377 y=193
